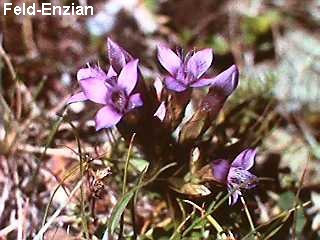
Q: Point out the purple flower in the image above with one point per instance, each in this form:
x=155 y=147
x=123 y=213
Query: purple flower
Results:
x=236 y=174
x=226 y=82
x=220 y=89
x=185 y=71
x=112 y=90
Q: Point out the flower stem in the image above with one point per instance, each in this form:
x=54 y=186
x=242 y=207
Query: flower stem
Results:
x=213 y=222
x=127 y=165
x=124 y=184
x=253 y=229
x=217 y=226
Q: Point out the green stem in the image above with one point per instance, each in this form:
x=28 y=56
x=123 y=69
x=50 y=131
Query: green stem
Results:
x=253 y=229
x=211 y=210
x=213 y=222
x=283 y=216
x=216 y=225
x=181 y=225
x=124 y=184
x=49 y=140
x=127 y=165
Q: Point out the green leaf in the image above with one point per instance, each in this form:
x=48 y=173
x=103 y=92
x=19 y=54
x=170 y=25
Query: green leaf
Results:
x=139 y=164
x=118 y=211
x=286 y=200
x=300 y=222
x=123 y=203
x=125 y=199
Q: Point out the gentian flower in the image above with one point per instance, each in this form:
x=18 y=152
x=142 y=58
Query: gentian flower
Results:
x=114 y=92
x=236 y=174
x=185 y=71
x=222 y=86
x=226 y=82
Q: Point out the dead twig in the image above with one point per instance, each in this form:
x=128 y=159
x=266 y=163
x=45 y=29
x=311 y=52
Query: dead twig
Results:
x=13 y=74
x=62 y=152
x=7 y=185
x=8 y=229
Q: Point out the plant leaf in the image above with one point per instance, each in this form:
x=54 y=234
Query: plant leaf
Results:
x=125 y=199
x=118 y=211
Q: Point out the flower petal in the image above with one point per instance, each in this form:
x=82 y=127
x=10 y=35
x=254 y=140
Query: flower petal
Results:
x=135 y=101
x=227 y=81
x=234 y=196
x=78 y=97
x=91 y=72
x=202 y=82
x=220 y=169
x=111 y=77
x=245 y=159
x=174 y=85
x=107 y=117
x=168 y=59
x=128 y=76
x=92 y=82
x=116 y=55
x=111 y=73
x=241 y=178
x=94 y=89
x=158 y=86
x=161 y=112
x=199 y=62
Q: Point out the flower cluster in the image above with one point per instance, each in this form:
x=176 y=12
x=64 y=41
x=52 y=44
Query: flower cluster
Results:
x=119 y=91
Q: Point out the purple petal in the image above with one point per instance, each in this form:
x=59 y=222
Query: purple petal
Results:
x=91 y=72
x=168 y=59
x=94 y=89
x=78 y=97
x=241 y=178
x=199 y=62
x=116 y=55
x=117 y=50
x=227 y=81
x=111 y=73
x=107 y=117
x=234 y=196
x=135 y=101
x=220 y=169
x=245 y=159
x=161 y=112
x=174 y=85
x=128 y=76
x=202 y=82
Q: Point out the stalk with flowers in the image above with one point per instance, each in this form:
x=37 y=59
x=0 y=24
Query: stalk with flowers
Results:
x=157 y=115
